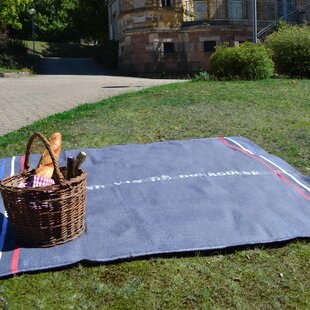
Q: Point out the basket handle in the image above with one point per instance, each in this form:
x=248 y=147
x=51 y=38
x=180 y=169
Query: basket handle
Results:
x=59 y=178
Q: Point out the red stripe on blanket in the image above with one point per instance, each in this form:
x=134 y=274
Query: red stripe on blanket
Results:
x=14 y=266
x=278 y=174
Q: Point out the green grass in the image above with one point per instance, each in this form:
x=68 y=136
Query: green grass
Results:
x=274 y=114
x=8 y=70
x=71 y=50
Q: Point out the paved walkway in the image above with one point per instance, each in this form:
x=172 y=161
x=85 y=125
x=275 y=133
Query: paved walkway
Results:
x=25 y=100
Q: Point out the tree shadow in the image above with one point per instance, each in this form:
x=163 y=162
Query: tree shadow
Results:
x=72 y=66
x=69 y=50
x=72 y=59
x=85 y=263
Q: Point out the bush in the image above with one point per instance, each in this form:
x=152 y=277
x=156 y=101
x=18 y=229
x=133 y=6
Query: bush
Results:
x=246 y=62
x=8 y=61
x=291 y=50
x=13 y=55
x=202 y=76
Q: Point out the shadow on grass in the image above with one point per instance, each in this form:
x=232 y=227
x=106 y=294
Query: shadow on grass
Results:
x=70 y=59
x=121 y=86
x=172 y=255
x=67 y=50
x=72 y=66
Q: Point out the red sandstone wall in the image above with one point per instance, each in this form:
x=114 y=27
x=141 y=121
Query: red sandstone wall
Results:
x=143 y=52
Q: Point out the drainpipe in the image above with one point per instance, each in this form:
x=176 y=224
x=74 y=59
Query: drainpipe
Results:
x=254 y=17
x=284 y=8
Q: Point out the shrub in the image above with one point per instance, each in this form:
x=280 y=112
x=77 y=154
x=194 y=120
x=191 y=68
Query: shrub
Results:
x=8 y=61
x=13 y=55
x=202 y=76
x=246 y=62
x=291 y=50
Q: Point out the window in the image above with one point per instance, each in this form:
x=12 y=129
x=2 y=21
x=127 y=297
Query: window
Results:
x=169 y=48
x=166 y=3
x=209 y=46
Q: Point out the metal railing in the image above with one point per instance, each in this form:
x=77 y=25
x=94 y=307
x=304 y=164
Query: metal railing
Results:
x=293 y=16
x=237 y=10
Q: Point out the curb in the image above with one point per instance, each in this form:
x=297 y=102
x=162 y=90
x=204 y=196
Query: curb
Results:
x=14 y=74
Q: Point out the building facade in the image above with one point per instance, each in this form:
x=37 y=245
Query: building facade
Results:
x=180 y=35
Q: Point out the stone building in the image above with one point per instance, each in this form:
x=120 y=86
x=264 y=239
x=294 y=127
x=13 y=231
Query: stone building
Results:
x=180 y=35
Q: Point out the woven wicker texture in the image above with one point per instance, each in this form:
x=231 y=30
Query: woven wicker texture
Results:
x=45 y=216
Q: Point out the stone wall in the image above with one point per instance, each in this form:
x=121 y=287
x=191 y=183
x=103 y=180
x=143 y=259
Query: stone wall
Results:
x=156 y=39
x=144 y=52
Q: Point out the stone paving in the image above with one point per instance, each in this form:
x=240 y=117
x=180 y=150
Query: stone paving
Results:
x=27 y=99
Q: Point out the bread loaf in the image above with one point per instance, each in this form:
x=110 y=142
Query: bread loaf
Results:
x=45 y=167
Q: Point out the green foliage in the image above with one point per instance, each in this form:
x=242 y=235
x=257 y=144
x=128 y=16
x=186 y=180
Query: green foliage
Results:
x=246 y=62
x=66 y=20
x=13 y=55
x=53 y=20
x=90 y=19
x=291 y=50
x=202 y=76
x=9 y=12
x=280 y=24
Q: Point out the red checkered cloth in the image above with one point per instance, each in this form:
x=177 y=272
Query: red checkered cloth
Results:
x=37 y=181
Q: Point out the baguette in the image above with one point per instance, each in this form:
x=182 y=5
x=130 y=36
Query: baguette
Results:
x=45 y=167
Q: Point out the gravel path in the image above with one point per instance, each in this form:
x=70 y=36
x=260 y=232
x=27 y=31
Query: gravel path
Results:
x=61 y=88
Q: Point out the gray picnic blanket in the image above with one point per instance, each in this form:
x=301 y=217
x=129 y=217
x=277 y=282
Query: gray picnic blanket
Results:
x=171 y=197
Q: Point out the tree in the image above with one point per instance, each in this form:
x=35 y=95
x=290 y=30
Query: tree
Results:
x=67 y=20
x=9 y=13
x=53 y=19
x=90 y=19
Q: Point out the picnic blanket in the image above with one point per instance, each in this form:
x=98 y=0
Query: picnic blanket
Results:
x=171 y=197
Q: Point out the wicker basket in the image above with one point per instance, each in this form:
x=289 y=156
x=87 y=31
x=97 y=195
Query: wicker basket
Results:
x=45 y=216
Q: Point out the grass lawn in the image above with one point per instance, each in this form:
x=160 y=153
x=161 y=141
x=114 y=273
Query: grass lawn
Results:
x=71 y=50
x=7 y=70
x=275 y=114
